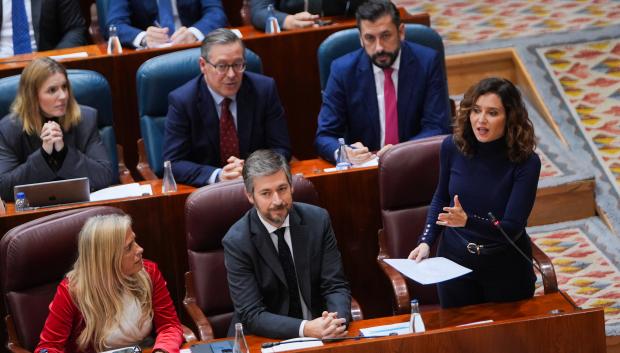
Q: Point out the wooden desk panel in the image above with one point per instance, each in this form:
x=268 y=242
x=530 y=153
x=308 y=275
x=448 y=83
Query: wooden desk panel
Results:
x=524 y=326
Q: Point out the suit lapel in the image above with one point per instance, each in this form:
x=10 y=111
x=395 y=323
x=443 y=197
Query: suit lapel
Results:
x=366 y=79
x=299 y=238
x=246 y=103
x=208 y=112
x=35 y=8
x=264 y=245
x=406 y=77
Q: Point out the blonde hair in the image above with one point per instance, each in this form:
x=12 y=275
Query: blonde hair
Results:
x=26 y=104
x=97 y=283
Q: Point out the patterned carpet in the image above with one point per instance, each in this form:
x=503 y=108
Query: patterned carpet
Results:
x=462 y=22
x=588 y=76
x=583 y=260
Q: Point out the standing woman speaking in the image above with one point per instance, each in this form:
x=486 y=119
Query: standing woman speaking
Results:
x=487 y=165
x=48 y=136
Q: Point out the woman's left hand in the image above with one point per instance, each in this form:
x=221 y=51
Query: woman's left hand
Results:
x=58 y=137
x=454 y=216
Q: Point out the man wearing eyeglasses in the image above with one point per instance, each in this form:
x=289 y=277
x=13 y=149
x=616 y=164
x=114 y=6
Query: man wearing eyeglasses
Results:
x=217 y=119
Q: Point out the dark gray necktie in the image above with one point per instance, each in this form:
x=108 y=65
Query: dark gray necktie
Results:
x=286 y=260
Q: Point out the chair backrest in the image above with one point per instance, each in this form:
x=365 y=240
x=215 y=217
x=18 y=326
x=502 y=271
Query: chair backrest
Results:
x=89 y=88
x=155 y=79
x=34 y=258
x=348 y=40
x=206 y=223
x=408 y=174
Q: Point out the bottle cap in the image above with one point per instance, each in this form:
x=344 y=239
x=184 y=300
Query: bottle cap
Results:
x=414 y=301
x=21 y=195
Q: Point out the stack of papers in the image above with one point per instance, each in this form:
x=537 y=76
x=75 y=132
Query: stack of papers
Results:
x=428 y=271
x=120 y=191
x=401 y=328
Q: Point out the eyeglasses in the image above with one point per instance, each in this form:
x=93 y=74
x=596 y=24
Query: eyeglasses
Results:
x=223 y=68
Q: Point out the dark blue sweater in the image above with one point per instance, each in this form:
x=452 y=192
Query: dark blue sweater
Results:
x=486 y=181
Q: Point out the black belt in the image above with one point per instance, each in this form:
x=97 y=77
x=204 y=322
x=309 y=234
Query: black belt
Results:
x=485 y=249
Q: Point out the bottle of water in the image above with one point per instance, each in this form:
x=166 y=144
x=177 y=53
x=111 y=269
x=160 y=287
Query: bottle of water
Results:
x=343 y=162
x=168 y=184
x=114 y=44
x=21 y=202
x=240 y=346
x=415 y=321
x=271 y=26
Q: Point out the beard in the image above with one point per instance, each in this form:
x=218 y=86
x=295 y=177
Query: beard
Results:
x=275 y=215
x=391 y=57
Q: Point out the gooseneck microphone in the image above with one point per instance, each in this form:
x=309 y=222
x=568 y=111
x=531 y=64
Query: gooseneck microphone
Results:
x=498 y=225
x=324 y=340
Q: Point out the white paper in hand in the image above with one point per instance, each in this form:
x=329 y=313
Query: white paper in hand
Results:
x=428 y=271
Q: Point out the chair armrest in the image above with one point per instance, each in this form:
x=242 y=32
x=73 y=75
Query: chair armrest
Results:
x=550 y=282
x=143 y=167
x=205 y=331
x=124 y=175
x=399 y=284
x=356 y=310
x=188 y=335
x=13 y=344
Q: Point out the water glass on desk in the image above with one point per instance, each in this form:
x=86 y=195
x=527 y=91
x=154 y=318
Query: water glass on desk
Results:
x=114 y=44
x=168 y=184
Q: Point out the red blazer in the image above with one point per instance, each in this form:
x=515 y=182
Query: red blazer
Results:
x=65 y=322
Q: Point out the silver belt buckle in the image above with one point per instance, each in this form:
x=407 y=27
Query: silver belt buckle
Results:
x=474 y=248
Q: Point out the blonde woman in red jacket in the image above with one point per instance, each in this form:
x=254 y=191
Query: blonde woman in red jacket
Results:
x=112 y=298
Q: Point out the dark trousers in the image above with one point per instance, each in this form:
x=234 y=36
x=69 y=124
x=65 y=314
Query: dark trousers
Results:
x=501 y=277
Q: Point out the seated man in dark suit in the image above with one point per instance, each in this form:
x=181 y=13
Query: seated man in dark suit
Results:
x=387 y=92
x=153 y=23
x=218 y=118
x=284 y=269
x=293 y=14
x=50 y=24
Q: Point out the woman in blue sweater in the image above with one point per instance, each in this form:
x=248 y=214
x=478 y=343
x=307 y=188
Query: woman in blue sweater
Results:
x=487 y=165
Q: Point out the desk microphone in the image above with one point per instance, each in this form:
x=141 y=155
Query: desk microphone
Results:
x=324 y=340
x=498 y=225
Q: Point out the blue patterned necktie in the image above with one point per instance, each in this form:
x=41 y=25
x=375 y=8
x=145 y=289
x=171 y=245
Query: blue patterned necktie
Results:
x=21 y=35
x=166 y=19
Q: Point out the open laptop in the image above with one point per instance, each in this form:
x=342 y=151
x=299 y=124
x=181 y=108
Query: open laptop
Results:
x=55 y=192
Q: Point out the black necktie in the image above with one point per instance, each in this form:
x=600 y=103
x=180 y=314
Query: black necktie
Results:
x=286 y=260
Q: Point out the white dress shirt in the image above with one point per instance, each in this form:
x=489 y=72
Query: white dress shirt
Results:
x=287 y=238
x=177 y=24
x=379 y=84
x=6 y=32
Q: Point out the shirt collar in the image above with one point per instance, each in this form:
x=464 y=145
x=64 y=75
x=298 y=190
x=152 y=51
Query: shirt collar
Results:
x=395 y=65
x=219 y=98
x=269 y=226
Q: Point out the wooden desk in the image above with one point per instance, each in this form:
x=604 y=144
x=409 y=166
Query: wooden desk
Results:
x=525 y=326
x=289 y=57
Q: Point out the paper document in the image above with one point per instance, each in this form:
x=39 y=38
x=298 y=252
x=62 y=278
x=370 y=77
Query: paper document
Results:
x=387 y=330
x=428 y=271
x=372 y=162
x=295 y=343
x=80 y=54
x=120 y=191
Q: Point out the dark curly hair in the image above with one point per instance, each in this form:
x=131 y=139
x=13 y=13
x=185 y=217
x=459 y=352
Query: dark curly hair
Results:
x=519 y=135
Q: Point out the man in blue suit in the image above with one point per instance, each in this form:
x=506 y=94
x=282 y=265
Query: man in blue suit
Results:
x=153 y=23
x=387 y=92
x=217 y=119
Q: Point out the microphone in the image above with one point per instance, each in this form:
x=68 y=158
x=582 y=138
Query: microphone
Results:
x=498 y=225
x=324 y=340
